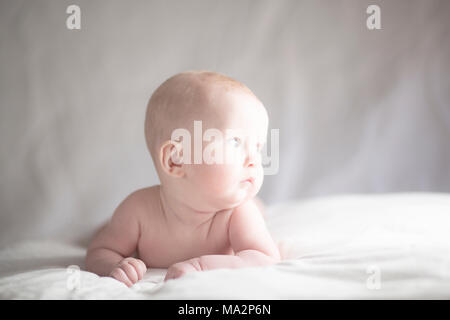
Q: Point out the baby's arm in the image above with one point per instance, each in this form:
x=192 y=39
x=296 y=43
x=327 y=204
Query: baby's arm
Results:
x=109 y=254
x=249 y=238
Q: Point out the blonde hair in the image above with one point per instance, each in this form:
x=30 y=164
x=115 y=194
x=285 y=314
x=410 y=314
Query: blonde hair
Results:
x=173 y=99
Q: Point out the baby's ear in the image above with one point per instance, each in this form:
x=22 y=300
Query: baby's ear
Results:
x=170 y=157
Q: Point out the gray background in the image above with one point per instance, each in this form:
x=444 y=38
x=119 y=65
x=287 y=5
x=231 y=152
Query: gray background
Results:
x=359 y=111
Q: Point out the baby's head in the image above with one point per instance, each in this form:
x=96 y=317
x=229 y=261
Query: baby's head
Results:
x=238 y=123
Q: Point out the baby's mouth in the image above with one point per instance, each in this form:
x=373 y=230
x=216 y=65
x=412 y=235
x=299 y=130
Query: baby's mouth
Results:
x=249 y=180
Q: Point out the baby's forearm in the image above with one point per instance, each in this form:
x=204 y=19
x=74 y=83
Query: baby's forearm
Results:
x=101 y=261
x=245 y=258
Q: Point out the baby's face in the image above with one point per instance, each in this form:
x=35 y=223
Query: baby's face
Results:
x=243 y=122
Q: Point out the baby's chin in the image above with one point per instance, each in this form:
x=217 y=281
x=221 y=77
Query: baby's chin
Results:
x=238 y=197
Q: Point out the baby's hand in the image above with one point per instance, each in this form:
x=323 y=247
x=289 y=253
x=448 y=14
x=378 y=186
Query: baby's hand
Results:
x=181 y=268
x=129 y=271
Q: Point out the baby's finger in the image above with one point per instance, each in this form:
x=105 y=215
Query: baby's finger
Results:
x=173 y=274
x=130 y=271
x=168 y=276
x=121 y=276
x=144 y=266
x=140 y=267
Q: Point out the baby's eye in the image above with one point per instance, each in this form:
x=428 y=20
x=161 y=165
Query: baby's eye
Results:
x=235 y=142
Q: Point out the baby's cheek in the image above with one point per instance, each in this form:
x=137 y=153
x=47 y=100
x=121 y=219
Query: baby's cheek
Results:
x=216 y=178
x=260 y=175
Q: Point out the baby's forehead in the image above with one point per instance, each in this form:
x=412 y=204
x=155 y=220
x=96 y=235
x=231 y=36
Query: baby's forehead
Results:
x=215 y=99
x=245 y=121
x=236 y=109
x=213 y=96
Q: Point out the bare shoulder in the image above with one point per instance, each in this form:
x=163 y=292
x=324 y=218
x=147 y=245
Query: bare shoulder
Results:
x=250 y=207
x=127 y=219
x=142 y=196
x=142 y=201
x=134 y=207
x=247 y=214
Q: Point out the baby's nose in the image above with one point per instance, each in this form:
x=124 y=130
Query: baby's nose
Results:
x=249 y=163
x=250 y=159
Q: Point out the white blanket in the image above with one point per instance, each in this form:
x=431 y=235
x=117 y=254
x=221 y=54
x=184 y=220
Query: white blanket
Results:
x=390 y=246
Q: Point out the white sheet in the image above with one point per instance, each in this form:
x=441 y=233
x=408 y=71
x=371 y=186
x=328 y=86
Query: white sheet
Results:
x=334 y=247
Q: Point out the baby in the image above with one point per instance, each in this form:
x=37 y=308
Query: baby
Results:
x=204 y=215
